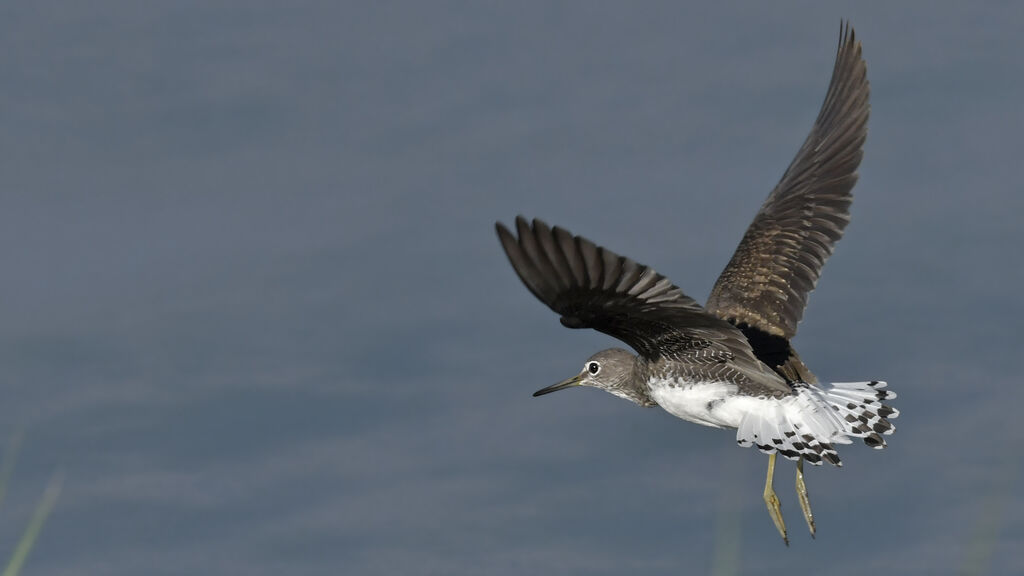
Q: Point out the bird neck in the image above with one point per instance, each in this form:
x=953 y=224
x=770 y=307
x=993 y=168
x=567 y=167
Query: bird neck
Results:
x=633 y=387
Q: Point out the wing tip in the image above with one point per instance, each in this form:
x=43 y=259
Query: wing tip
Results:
x=849 y=44
x=508 y=240
x=500 y=229
x=847 y=34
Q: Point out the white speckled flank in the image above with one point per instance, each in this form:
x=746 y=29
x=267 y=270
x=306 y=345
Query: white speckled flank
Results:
x=714 y=404
x=805 y=424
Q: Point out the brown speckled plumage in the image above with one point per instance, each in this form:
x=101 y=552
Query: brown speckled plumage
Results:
x=778 y=262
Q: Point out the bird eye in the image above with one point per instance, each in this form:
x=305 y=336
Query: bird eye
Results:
x=593 y=367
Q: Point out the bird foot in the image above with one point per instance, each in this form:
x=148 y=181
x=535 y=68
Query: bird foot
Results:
x=771 y=499
x=801 y=493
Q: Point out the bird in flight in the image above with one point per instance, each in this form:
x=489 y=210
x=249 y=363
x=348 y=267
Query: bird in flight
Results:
x=730 y=363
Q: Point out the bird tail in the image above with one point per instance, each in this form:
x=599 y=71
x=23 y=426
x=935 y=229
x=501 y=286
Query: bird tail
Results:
x=808 y=423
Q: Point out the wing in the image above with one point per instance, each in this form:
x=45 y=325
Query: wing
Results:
x=591 y=287
x=779 y=260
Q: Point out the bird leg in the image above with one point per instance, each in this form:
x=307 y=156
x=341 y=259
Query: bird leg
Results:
x=801 y=493
x=772 y=500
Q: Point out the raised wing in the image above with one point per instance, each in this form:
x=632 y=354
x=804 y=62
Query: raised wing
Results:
x=779 y=260
x=591 y=287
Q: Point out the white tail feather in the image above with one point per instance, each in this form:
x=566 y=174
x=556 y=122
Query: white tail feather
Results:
x=808 y=423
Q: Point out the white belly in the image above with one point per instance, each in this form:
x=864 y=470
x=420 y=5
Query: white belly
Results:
x=707 y=403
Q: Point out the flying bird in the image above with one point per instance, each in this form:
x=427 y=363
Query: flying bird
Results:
x=730 y=363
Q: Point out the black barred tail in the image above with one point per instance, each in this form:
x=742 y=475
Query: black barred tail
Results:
x=860 y=404
x=807 y=424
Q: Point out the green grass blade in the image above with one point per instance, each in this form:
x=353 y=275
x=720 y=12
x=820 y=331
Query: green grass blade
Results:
x=725 y=560
x=35 y=526
x=981 y=543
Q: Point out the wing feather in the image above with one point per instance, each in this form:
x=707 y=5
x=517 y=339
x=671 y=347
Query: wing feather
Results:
x=592 y=287
x=778 y=262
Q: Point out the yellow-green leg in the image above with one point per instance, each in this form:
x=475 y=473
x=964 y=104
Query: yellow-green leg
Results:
x=772 y=500
x=801 y=493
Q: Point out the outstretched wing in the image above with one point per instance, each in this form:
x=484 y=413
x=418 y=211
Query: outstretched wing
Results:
x=779 y=260
x=591 y=287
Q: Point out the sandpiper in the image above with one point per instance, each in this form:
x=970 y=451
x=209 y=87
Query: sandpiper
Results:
x=730 y=364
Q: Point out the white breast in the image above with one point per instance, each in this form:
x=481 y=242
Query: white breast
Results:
x=707 y=403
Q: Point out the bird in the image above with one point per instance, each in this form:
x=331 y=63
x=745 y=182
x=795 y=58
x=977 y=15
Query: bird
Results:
x=730 y=364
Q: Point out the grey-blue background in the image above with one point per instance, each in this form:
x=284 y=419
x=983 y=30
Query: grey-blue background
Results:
x=253 y=306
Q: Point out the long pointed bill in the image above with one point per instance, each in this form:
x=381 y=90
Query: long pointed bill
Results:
x=574 y=381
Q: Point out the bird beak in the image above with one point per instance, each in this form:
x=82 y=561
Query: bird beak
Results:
x=574 y=381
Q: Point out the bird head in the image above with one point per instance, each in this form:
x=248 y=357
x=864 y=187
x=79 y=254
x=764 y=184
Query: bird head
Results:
x=610 y=370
